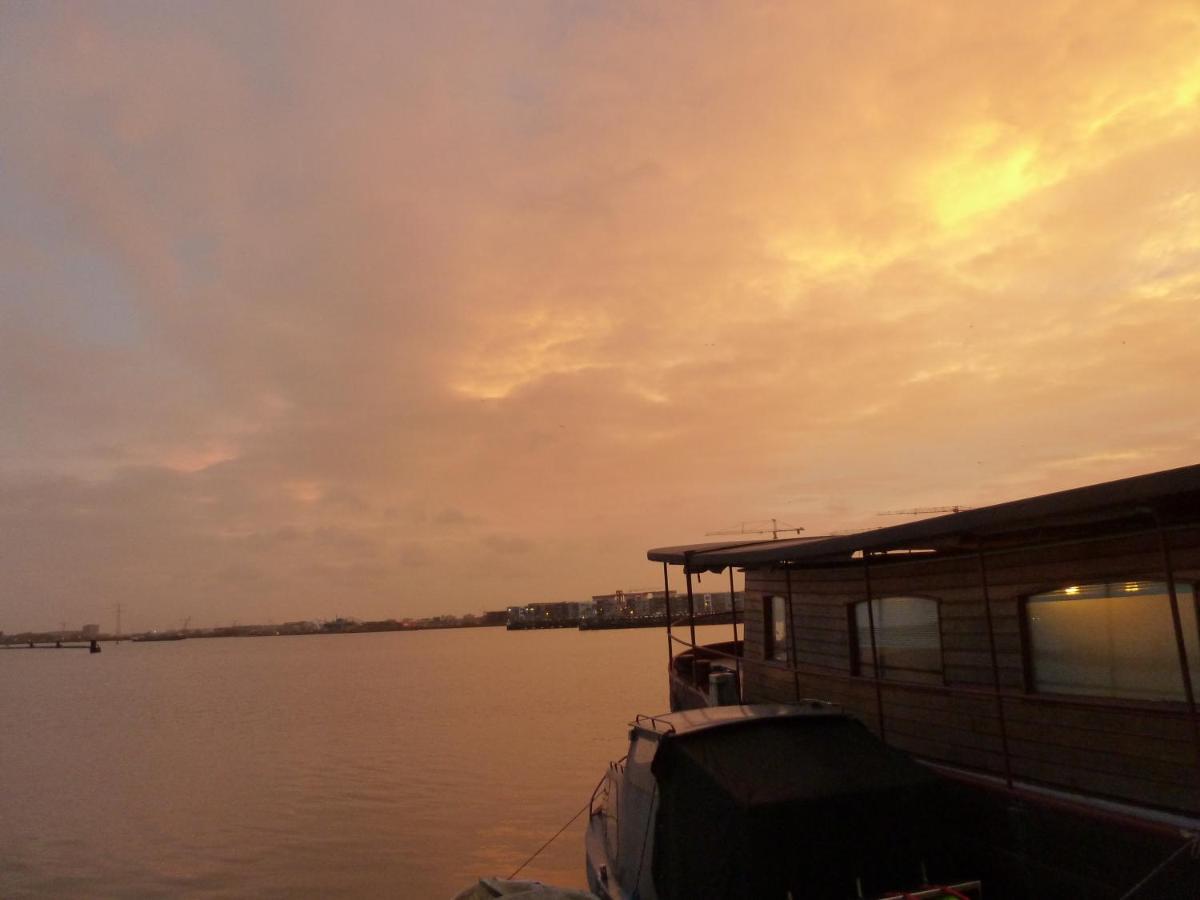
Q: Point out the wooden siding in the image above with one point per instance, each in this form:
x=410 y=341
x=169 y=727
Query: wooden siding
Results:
x=1139 y=752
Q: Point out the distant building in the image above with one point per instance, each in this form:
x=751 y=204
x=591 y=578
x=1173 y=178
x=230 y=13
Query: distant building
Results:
x=555 y=612
x=90 y=631
x=714 y=602
x=495 y=617
x=631 y=604
x=608 y=606
x=545 y=615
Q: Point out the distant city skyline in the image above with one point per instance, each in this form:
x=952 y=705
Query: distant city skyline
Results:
x=431 y=307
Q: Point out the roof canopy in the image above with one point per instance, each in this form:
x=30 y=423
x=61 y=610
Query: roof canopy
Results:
x=1170 y=496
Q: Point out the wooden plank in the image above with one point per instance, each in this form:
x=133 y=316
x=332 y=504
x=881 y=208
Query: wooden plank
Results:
x=968 y=757
x=829 y=616
x=1104 y=721
x=980 y=658
x=1168 y=796
x=946 y=736
x=1130 y=749
x=981 y=677
x=1146 y=781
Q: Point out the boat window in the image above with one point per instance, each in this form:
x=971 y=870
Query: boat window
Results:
x=908 y=639
x=1112 y=640
x=775 y=628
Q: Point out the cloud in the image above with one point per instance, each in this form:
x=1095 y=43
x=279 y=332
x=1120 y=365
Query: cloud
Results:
x=507 y=543
x=304 y=309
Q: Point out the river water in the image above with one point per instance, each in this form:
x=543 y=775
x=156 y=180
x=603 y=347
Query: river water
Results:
x=399 y=764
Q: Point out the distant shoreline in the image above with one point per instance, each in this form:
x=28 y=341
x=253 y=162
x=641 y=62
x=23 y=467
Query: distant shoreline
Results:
x=339 y=626
x=239 y=631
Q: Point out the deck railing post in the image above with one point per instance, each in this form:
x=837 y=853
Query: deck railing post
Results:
x=866 y=555
x=791 y=627
x=1180 y=643
x=691 y=603
x=667 y=601
x=732 y=605
x=737 y=657
x=987 y=607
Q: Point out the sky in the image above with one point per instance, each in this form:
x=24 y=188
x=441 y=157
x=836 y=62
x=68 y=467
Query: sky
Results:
x=405 y=309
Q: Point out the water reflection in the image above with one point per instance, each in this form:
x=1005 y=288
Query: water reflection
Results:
x=392 y=764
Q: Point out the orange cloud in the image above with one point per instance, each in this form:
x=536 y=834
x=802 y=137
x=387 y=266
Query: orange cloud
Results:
x=280 y=286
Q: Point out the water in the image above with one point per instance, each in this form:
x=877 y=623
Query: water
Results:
x=371 y=765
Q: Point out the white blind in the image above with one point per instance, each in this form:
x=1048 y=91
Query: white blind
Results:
x=907 y=637
x=1112 y=640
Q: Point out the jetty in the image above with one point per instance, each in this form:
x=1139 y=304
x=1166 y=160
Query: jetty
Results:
x=91 y=646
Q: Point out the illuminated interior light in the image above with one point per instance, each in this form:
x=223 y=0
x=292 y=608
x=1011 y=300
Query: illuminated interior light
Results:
x=1074 y=589
x=1132 y=586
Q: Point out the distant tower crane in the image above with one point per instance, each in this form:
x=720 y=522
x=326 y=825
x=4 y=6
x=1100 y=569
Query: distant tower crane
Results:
x=776 y=528
x=924 y=510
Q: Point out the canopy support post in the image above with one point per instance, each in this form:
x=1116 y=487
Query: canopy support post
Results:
x=667 y=601
x=866 y=554
x=691 y=607
x=737 y=657
x=1177 y=622
x=791 y=628
x=987 y=608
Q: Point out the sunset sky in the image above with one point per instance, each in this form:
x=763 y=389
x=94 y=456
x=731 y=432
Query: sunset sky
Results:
x=396 y=310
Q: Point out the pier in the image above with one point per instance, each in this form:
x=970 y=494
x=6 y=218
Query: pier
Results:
x=91 y=646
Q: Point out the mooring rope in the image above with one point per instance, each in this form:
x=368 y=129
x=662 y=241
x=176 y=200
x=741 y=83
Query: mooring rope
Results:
x=551 y=841
x=1193 y=845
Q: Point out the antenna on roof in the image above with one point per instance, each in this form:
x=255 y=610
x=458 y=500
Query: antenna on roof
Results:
x=774 y=530
x=924 y=510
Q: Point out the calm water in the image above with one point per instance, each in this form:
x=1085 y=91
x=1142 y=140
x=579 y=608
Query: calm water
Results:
x=397 y=764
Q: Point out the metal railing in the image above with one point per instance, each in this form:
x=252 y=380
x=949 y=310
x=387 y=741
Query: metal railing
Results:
x=641 y=719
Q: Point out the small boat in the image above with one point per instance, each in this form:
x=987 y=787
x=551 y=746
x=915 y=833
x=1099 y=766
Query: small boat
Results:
x=770 y=801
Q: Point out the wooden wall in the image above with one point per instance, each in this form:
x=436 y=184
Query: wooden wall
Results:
x=1142 y=752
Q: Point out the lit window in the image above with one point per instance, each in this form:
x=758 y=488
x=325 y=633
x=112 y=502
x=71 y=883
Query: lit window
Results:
x=775 y=628
x=1112 y=640
x=908 y=638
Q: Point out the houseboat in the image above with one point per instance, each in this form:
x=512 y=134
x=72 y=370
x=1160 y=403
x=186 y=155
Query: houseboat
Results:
x=1041 y=655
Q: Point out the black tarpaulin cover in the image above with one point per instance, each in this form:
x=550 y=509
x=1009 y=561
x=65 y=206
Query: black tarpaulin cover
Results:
x=799 y=803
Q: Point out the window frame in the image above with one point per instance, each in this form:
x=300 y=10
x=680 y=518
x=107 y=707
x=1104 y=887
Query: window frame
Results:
x=1028 y=676
x=856 y=648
